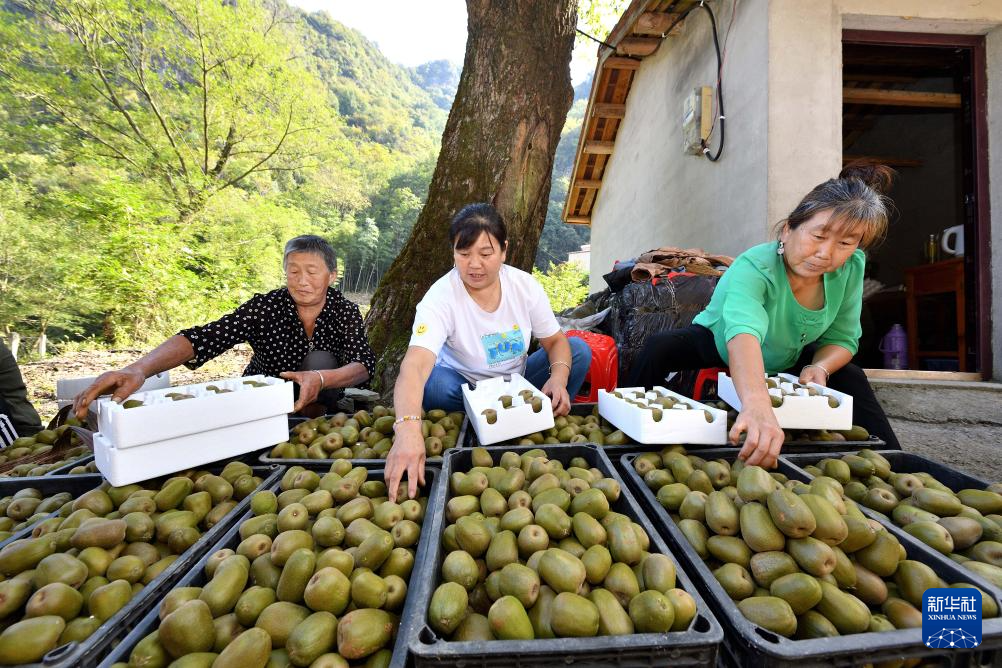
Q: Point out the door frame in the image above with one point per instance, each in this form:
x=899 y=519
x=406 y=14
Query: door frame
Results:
x=979 y=76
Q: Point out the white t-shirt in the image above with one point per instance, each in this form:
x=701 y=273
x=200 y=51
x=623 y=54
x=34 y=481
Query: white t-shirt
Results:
x=474 y=342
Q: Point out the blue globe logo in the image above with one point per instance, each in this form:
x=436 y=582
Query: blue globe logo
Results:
x=947 y=638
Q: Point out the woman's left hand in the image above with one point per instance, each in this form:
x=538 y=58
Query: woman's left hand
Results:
x=309 y=386
x=557 y=392
x=813 y=374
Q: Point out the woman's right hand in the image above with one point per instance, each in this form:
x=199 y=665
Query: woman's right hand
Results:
x=406 y=456
x=120 y=384
x=764 y=437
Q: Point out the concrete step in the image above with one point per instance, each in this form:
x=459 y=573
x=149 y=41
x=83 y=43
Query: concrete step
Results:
x=941 y=402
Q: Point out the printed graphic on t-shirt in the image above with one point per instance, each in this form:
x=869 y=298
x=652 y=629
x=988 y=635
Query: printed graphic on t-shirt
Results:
x=501 y=347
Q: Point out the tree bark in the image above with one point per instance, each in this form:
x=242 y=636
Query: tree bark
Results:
x=498 y=146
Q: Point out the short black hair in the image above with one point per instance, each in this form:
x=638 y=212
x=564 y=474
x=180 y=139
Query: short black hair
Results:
x=472 y=221
x=311 y=243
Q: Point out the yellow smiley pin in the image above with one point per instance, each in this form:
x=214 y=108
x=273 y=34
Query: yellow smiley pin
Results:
x=421 y=329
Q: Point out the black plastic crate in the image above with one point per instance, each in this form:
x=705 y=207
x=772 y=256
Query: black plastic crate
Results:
x=47 y=485
x=195 y=577
x=615 y=451
x=746 y=644
x=905 y=462
x=265 y=456
x=89 y=653
x=695 y=647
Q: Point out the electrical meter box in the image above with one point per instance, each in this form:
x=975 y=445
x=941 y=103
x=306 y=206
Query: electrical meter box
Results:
x=696 y=119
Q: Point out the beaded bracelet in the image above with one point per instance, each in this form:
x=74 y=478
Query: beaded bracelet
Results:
x=818 y=366
x=406 y=418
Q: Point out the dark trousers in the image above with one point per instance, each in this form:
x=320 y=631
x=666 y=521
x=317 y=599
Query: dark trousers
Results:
x=693 y=347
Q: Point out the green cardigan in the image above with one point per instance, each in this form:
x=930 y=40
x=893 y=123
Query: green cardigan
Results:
x=754 y=297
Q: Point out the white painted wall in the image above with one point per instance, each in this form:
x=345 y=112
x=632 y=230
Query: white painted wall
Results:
x=655 y=195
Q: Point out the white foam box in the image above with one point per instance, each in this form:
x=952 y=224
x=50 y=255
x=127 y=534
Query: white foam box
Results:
x=677 y=425
x=511 y=423
x=799 y=411
x=68 y=388
x=161 y=418
x=124 y=466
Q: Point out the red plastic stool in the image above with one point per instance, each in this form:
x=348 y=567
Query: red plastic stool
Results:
x=702 y=377
x=604 y=370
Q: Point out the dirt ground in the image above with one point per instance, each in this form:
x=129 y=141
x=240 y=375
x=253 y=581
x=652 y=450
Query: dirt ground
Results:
x=40 y=377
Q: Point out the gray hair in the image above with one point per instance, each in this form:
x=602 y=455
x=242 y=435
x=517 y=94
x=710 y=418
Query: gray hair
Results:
x=311 y=243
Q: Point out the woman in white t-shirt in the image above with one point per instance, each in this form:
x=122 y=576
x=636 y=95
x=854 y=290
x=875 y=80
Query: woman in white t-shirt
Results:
x=476 y=322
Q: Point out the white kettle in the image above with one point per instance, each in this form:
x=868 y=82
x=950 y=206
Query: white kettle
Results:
x=953 y=240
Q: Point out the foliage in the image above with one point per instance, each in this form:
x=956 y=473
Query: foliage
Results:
x=156 y=154
x=565 y=284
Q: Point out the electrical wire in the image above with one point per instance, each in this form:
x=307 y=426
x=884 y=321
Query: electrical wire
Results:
x=712 y=157
x=595 y=39
x=720 y=90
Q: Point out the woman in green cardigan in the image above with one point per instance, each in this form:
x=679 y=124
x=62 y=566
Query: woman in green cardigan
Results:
x=791 y=305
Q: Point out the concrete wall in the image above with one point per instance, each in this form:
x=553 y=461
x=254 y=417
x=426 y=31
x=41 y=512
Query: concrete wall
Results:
x=782 y=85
x=993 y=48
x=652 y=193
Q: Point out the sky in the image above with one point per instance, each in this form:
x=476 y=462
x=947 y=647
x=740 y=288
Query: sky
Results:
x=411 y=33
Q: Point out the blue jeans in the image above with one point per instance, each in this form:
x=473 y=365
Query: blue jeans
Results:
x=444 y=388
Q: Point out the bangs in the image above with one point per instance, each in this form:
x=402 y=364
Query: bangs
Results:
x=847 y=219
x=468 y=234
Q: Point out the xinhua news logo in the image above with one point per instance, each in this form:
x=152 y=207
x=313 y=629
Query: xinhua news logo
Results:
x=951 y=618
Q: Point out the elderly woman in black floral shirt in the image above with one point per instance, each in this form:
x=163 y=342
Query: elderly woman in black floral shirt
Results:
x=306 y=332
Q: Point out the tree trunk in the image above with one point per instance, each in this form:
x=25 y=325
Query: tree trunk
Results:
x=498 y=146
x=41 y=346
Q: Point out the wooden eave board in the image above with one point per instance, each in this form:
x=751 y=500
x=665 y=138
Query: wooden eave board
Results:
x=614 y=75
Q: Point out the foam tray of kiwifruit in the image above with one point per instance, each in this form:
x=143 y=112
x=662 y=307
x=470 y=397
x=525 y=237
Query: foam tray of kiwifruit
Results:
x=661 y=416
x=316 y=574
x=542 y=558
x=953 y=513
x=797 y=406
x=500 y=410
x=793 y=567
x=158 y=415
x=95 y=566
x=364 y=437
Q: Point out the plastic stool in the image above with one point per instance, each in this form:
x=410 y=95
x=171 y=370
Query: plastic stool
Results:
x=702 y=377
x=604 y=370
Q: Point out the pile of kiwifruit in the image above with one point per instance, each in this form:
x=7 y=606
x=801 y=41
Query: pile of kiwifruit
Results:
x=82 y=566
x=965 y=525
x=534 y=551
x=801 y=560
x=318 y=579
x=42 y=443
x=577 y=429
x=856 y=433
x=365 y=435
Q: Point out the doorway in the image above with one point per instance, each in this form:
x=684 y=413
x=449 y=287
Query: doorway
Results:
x=915 y=102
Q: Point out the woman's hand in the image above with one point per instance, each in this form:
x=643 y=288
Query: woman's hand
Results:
x=121 y=384
x=557 y=392
x=764 y=437
x=406 y=456
x=813 y=374
x=309 y=386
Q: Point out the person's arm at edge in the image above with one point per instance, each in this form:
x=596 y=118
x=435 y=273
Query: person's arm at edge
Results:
x=558 y=350
x=171 y=353
x=828 y=358
x=764 y=436
x=407 y=454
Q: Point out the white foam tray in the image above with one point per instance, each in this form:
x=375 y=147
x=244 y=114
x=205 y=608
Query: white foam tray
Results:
x=68 y=388
x=513 y=422
x=677 y=425
x=124 y=467
x=161 y=418
x=801 y=411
